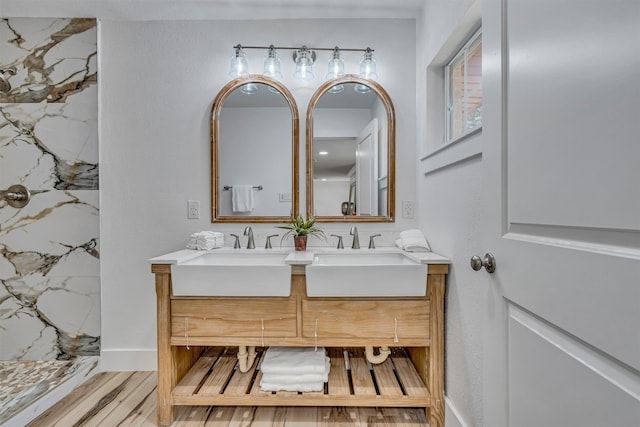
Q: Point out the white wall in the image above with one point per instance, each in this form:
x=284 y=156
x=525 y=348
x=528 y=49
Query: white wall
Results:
x=449 y=212
x=158 y=82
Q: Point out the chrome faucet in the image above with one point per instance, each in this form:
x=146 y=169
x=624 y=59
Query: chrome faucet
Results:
x=356 y=240
x=251 y=244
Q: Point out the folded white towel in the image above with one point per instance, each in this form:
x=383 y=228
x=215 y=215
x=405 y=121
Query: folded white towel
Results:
x=294 y=360
x=295 y=378
x=313 y=386
x=413 y=240
x=206 y=240
x=242 y=198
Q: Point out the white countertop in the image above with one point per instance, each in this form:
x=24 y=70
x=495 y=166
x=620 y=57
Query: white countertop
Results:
x=298 y=257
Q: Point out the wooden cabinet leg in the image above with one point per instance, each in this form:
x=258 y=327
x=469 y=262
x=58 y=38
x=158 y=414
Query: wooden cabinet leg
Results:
x=436 y=288
x=166 y=365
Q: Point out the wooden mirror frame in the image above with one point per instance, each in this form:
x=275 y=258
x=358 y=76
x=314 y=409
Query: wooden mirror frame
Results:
x=391 y=156
x=215 y=142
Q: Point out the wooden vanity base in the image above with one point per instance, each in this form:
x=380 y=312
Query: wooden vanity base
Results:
x=393 y=383
x=198 y=339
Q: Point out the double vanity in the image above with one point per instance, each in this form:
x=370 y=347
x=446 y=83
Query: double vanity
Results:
x=212 y=305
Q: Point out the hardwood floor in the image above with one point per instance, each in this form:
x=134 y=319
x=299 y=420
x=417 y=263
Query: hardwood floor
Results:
x=112 y=399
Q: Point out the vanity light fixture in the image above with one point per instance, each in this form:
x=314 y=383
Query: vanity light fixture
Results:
x=303 y=57
x=240 y=67
x=239 y=62
x=335 y=69
x=272 y=64
x=367 y=70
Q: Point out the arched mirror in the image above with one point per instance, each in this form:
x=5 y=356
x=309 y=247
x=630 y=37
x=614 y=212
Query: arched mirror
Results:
x=254 y=152
x=351 y=152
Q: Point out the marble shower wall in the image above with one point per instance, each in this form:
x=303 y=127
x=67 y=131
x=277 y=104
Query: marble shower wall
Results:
x=49 y=250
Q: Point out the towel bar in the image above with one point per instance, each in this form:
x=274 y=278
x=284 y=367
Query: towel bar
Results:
x=255 y=187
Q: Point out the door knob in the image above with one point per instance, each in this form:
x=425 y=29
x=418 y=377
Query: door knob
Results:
x=488 y=262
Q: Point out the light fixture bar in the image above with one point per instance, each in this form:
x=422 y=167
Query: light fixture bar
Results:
x=298 y=48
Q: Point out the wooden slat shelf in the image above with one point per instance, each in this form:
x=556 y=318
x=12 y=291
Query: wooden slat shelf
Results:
x=215 y=380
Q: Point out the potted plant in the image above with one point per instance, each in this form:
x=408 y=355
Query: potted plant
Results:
x=300 y=229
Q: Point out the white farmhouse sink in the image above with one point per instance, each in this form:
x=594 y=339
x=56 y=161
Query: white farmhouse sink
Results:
x=233 y=274
x=365 y=274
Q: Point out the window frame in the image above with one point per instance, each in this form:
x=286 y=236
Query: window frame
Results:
x=461 y=55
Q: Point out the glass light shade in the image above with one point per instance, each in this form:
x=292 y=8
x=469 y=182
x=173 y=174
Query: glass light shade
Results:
x=335 y=69
x=272 y=64
x=304 y=65
x=368 y=66
x=239 y=63
x=336 y=65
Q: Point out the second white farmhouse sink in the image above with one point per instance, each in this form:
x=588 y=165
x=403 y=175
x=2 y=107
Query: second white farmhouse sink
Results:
x=233 y=274
x=365 y=274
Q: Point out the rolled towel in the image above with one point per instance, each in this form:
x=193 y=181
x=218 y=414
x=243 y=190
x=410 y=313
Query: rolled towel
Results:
x=294 y=360
x=413 y=240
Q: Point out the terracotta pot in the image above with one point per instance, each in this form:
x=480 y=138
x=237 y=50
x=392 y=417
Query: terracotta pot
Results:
x=300 y=242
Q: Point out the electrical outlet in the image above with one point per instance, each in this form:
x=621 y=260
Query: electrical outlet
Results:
x=408 y=209
x=284 y=197
x=193 y=209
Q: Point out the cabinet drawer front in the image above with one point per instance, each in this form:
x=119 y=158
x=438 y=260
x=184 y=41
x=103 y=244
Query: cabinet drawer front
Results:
x=366 y=319
x=233 y=318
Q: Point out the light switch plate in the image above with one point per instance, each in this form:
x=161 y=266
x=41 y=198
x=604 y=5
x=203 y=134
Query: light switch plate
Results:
x=284 y=197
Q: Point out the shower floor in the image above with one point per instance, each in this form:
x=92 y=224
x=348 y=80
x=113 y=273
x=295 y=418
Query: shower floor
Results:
x=29 y=387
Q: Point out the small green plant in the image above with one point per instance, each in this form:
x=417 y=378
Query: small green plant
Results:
x=301 y=227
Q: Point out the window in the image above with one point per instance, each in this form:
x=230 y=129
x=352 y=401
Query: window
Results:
x=463 y=90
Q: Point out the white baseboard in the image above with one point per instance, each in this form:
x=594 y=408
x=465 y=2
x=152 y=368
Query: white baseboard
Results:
x=128 y=360
x=452 y=417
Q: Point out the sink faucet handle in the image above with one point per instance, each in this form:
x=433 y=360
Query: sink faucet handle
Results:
x=267 y=245
x=236 y=244
x=340 y=245
x=372 y=244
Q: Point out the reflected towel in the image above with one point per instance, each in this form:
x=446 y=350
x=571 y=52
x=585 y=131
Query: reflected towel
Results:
x=294 y=361
x=242 y=198
x=413 y=241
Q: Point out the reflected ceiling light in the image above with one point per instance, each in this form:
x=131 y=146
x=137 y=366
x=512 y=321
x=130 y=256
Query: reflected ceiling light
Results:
x=335 y=69
x=304 y=59
x=239 y=63
x=249 y=88
x=323 y=153
x=367 y=70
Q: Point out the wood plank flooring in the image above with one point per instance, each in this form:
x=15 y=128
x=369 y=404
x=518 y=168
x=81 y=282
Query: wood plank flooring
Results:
x=112 y=399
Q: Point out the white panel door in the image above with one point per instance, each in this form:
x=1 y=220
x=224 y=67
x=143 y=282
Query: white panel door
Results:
x=561 y=160
x=367 y=170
